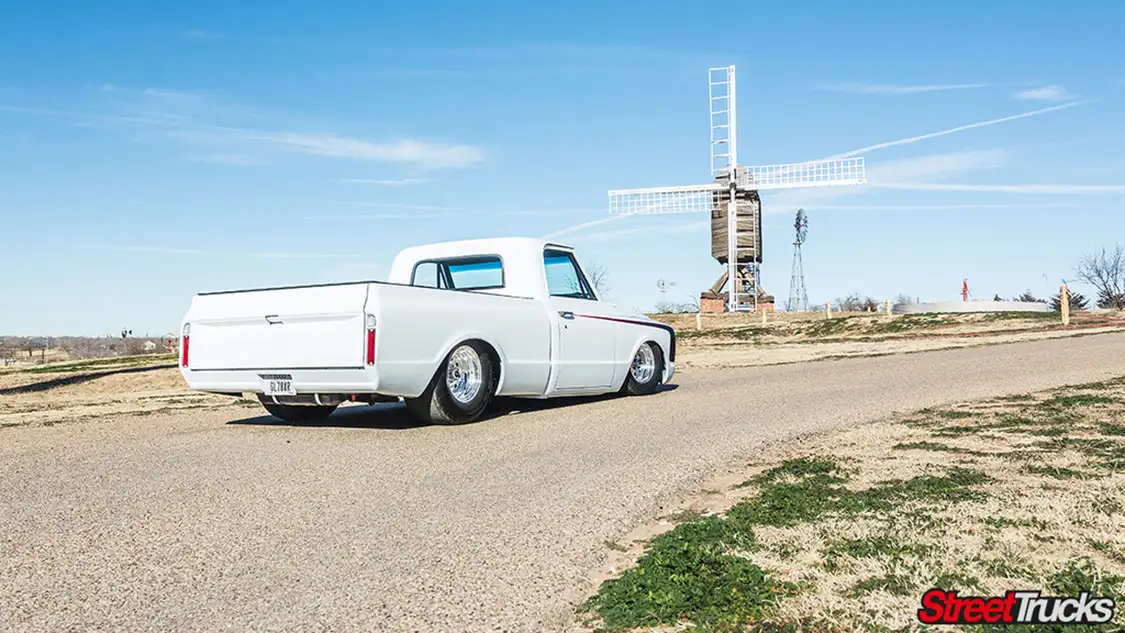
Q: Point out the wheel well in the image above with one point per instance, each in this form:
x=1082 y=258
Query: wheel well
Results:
x=493 y=359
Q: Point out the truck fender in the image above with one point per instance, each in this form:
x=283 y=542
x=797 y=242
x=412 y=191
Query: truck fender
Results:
x=461 y=337
x=642 y=338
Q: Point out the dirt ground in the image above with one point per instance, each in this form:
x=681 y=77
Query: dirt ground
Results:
x=141 y=387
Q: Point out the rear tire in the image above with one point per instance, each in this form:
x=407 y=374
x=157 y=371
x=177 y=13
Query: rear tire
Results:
x=645 y=371
x=293 y=413
x=460 y=390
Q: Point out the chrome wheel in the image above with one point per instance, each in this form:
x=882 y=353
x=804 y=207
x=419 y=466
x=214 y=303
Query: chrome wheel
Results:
x=464 y=374
x=644 y=364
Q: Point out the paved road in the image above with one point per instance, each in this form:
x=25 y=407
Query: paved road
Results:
x=196 y=523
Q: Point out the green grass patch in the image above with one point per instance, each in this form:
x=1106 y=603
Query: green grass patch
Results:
x=1021 y=316
x=827 y=327
x=818 y=492
x=1056 y=472
x=882 y=546
x=895 y=584
x=1079 y=400
x=689 y=573
x=926 y=446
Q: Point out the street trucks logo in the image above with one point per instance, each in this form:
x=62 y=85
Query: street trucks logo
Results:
x=1016 y=607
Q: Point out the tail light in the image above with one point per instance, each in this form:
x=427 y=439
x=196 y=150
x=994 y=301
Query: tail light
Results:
x=185 y=345
x=371 y=339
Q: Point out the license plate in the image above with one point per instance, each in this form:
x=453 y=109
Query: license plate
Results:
x=278 y=387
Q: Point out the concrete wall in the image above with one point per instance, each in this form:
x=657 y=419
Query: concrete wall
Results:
x=972 y=306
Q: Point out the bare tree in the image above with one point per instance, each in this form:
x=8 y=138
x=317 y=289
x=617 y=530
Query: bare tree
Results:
x=902 y=299
x=1105 y=271
x=599 y=277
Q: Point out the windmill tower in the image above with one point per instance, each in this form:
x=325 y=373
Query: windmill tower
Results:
x=798 y=295
x=733 y=198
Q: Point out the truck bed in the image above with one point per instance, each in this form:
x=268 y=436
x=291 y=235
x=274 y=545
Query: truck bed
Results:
x=317 y=336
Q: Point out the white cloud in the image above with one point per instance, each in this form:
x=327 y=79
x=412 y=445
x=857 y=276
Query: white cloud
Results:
x=1068 y=190
x=439 y=211
x=425 y=154
x=190 y=118
x=954 y=130
x=393 y=182
x=938 y=207
x=935 y=166
x=1046 y=93
x=862 y=88
x=926 y=168
x=171 y=250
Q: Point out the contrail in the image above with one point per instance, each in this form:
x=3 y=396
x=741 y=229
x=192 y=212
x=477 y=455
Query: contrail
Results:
x=579 y=227
x=915 y=139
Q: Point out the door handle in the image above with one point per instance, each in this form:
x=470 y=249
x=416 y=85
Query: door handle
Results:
x=566 y=314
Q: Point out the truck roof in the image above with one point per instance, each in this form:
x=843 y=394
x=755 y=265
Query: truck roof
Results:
x=519 y=280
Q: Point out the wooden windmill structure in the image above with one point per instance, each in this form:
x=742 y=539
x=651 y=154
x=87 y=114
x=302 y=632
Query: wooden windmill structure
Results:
x=733 y=197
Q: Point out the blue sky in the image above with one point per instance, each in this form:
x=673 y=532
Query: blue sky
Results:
x=150 y=152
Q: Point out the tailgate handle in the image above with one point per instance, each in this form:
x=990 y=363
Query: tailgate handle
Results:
x=273 y=319
x=566 y=314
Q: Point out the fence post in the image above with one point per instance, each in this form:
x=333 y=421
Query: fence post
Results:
x=888 y=307
x=1064 y=304
x=698 y=321
x=827 y=310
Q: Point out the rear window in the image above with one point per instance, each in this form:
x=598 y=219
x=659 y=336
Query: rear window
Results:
x=463 y=273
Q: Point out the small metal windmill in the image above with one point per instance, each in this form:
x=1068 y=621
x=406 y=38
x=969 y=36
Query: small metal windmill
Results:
x=798 y=295
x=732 y=199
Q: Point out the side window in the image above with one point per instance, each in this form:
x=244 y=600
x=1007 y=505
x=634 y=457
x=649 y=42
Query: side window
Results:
x=426 y=274
x=564 y=277
x=476 y=273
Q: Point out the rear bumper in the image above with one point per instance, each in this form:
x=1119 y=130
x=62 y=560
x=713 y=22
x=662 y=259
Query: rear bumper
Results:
x=304 y=380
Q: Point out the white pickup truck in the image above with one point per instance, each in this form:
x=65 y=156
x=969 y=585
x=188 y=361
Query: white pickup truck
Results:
x=457 y=324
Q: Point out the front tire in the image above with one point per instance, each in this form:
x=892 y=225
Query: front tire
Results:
x=294 y=413
x=461 y=389
x=645 y=371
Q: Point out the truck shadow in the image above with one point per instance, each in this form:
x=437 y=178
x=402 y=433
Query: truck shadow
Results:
x=393 y=416
x=53 y=383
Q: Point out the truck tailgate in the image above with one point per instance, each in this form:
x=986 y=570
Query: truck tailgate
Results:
x=312 y=327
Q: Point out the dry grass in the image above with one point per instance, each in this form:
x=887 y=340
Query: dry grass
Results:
x=1018 y=492
x=741 y=340
x=99 y=392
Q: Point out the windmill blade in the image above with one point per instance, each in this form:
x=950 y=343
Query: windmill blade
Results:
x=688 y=199
x=818 y=173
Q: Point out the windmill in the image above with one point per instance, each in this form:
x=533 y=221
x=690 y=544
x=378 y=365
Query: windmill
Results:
x=732 y=199
x=798 y=296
